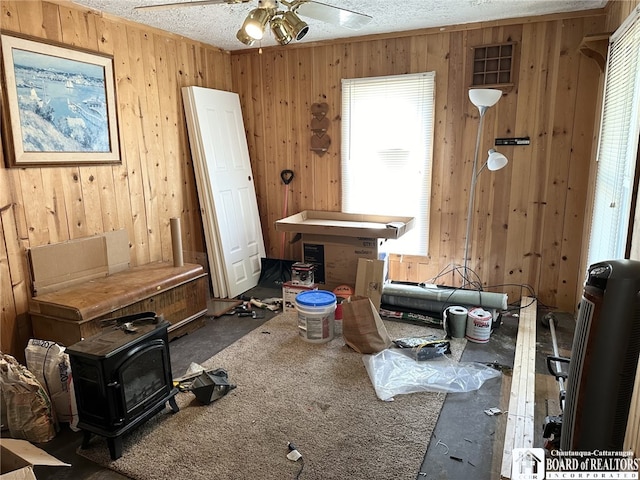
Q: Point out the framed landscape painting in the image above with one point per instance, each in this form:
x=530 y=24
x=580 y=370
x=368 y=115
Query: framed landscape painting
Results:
x=59 y=105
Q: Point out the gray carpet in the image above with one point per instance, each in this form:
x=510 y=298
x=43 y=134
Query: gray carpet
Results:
x=317 y=396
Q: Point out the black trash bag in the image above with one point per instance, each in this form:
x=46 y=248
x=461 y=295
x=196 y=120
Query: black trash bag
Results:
x=275 y=272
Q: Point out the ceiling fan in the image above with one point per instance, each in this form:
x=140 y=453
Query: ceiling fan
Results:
x=285 y=24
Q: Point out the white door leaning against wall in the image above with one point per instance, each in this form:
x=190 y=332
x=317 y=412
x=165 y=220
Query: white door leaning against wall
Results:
x=225 y=189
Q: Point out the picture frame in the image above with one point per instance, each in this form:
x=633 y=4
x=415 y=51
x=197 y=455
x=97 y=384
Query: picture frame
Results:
x=58 y=104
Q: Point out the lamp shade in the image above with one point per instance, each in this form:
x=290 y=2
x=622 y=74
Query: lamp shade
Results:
x=484 y=97
x=255 y=23
x=244 y=38
x=496 y=160
x=283 y=37
x=297 y=27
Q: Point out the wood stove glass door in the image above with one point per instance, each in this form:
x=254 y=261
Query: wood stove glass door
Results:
x=145 y=377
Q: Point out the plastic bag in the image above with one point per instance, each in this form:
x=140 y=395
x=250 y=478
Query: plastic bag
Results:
x=393 y=373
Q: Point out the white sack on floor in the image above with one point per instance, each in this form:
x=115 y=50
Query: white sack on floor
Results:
x=393 y=373
x=50 y=365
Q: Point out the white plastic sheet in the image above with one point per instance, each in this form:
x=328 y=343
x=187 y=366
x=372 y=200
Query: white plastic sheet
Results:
x=393 y=373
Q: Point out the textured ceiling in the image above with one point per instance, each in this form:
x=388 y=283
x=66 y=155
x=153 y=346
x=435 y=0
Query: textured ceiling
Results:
x=217 y=24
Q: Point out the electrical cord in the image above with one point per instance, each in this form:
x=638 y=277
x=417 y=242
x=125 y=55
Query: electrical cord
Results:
x=296 y=456
x=477 y=285
x=301 y=468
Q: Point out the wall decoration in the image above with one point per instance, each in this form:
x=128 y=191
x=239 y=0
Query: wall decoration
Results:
x=320 y=140
x=60 y=104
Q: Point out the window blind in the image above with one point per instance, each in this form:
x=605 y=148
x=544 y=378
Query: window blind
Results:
x=617 y=145
x=387 y=149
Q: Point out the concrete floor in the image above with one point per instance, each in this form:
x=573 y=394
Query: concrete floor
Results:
x=464 y=442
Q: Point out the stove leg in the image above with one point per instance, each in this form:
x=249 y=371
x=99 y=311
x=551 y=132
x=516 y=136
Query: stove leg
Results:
x=173 y=405
x=115 y=447
x=86 y=437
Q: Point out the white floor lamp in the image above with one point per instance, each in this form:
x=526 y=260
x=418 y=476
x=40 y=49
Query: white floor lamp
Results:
x=483 y=98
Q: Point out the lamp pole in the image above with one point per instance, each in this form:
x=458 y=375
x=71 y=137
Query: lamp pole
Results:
x=472 y=192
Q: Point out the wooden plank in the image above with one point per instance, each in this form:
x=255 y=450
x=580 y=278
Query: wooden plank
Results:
x=501 y=425
x=8 y=311
x=57 y=221
x=571 y=271
x=112 y=179
x=172 y=201
x=9 y=11
x=14 y=278
x=30 y=18
x=451 y=248
x=546 y=129
x=280 y=114
x=461 y=202
x=334 y=84
x=496 y=256
x=303 y=163
x=159 y=233
x=520 y=418
x=320 y=194
x=51 y=22
x=436 y=61
x=556 y=192
x=79 y=30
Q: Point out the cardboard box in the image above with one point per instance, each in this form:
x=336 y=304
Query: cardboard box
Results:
x=334 y=241
x=336 y=258
x=64 y=264
x=289 y=292
x=67 y=263
x=17 y=458
x=117 y=246
x=345 y=224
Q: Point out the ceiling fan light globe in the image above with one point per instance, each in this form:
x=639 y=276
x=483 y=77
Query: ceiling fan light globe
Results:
x=296 y=27
x=244 y=38
x=254 y=32
x=255 y=23
x=280 y=32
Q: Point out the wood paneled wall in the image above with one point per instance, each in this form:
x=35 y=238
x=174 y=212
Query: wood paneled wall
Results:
x=155 y=180
x=528 y=217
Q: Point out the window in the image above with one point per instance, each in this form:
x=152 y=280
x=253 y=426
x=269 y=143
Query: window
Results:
x=617 y=145
x=493 y=64
x=387 y=147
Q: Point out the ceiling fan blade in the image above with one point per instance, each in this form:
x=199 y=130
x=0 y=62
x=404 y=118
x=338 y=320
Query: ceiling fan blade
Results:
x=193 y=3
x=334 y=15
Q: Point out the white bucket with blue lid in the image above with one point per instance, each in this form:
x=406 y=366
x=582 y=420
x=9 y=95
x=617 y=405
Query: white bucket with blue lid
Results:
x=316 y=314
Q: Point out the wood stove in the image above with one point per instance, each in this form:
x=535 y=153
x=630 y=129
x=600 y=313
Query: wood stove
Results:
x=122 y=377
